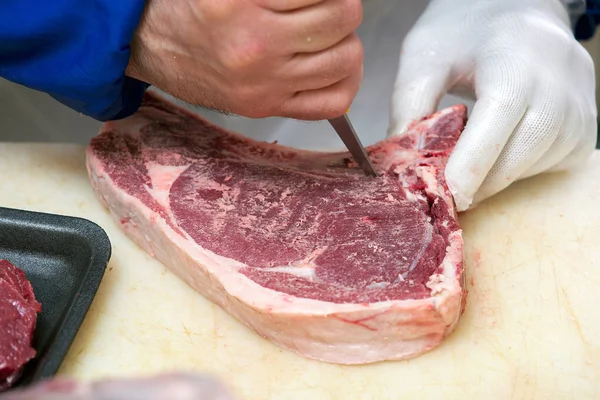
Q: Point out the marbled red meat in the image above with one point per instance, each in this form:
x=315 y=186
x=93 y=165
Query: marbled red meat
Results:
x=18 y=316
x=298 y=245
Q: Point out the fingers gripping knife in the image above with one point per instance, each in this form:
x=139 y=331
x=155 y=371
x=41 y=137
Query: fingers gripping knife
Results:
x=346 y=132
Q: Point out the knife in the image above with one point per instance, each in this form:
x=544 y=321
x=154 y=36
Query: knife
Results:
x=346 y=132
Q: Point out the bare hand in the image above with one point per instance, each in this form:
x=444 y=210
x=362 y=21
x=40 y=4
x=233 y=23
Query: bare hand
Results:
x=255 y=58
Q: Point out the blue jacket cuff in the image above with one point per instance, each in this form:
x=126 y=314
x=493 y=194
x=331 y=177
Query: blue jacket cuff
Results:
x=585 y=28
x=76 y=51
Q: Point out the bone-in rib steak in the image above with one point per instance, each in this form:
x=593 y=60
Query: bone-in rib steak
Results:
x=298 y=245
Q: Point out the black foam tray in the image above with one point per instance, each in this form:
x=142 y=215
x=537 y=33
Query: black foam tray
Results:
x=64 y=258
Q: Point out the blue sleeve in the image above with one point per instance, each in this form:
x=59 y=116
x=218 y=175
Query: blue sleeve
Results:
x=585 y=27
x=76 y=51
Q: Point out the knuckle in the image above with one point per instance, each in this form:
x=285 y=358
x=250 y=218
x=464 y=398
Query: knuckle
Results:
x=244 y=55
x=350 y=59
x=418 y=40
x=235 y=64
x=352 y=13
x=347 y=15
x=338 y=104
x=345 y=60
x=509 y=104
x=218 y=10
x=355 y=51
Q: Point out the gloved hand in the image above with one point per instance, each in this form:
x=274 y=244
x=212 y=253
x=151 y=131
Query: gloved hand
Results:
x=255 y=58
x=534 y=86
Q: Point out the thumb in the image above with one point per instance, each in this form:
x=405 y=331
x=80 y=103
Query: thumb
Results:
x=420 y=85
x=502 y=101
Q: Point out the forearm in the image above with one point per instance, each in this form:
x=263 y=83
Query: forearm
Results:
x=75 y=51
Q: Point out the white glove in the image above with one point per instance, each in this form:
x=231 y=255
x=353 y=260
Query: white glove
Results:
x=534 y=84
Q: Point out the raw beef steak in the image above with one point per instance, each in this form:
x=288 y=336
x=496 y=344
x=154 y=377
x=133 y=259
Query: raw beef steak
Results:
x=298 y=245
x=18 y=316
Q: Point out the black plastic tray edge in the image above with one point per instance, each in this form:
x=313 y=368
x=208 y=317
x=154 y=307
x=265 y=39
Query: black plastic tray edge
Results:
x=101 y=254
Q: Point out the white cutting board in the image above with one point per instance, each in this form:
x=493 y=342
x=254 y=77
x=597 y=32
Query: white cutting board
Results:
x=531 y=329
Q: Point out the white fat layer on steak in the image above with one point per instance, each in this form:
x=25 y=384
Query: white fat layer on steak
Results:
x=421 y=142
x=412 y=196
x=428 y=236
x=162 y=178
x=428 y=176
x=302 y=271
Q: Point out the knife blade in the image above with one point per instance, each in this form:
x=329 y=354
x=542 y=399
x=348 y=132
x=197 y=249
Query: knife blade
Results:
x=346 y=132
